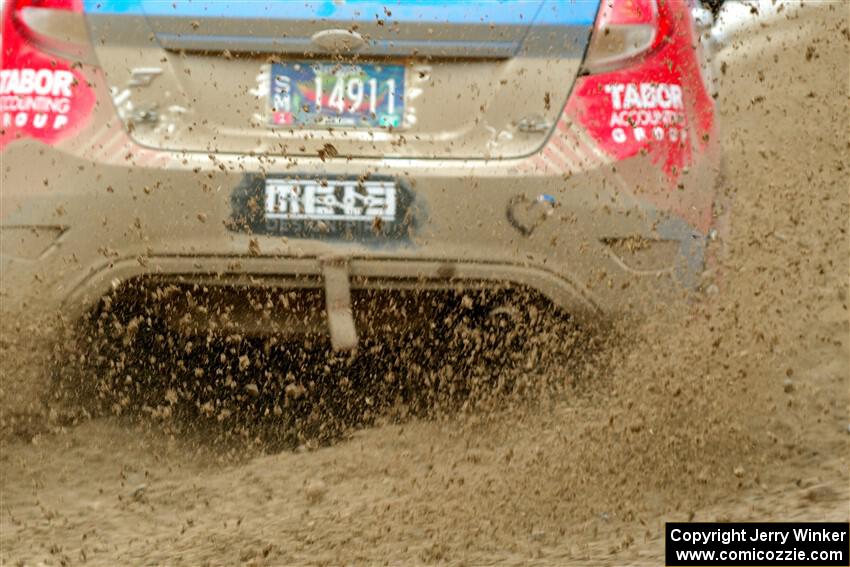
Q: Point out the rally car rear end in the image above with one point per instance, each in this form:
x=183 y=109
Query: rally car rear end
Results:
x=314 y=153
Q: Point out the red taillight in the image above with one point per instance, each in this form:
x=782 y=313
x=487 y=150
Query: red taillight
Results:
x=624 y=30
x=53 y=26
x=646 y=96
x=44 y=93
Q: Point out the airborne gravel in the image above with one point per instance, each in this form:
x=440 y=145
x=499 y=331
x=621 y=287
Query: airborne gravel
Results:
x=735 y=408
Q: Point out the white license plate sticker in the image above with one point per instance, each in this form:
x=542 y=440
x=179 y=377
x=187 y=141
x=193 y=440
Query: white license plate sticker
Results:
x=330 y=200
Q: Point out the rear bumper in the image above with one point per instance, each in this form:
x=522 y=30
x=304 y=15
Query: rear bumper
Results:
x=289 y=273
x=110 y=223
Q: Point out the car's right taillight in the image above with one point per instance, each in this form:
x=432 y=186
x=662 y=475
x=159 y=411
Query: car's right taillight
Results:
x=624 y=31
x=643 y=104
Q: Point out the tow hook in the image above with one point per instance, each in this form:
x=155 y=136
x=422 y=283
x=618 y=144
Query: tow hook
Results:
x=338 y=303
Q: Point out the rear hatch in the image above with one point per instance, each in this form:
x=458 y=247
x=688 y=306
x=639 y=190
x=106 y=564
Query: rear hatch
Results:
x=415 y=78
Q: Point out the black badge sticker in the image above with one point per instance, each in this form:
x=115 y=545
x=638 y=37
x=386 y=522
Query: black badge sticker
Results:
x=377 y=209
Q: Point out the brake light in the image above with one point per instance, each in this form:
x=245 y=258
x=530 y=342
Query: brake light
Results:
x=44 y=93
x=624 y=30
x=646 y=96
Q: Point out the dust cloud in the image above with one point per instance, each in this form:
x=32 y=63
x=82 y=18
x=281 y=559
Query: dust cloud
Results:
x=734 y=407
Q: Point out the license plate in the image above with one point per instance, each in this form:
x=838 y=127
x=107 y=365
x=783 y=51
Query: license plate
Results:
x=336 y=94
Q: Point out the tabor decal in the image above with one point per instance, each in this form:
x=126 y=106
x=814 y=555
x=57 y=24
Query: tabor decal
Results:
x=41 y=96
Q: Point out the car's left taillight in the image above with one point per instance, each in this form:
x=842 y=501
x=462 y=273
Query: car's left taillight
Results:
x=57 y=27
x=44 y=91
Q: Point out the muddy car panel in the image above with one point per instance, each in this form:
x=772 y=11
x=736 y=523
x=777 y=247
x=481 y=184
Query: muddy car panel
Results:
x=136 y=143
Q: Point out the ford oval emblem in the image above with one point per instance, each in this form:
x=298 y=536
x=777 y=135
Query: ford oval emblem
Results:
x=338 y=40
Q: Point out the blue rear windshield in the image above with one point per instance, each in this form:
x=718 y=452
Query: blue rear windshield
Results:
x=501 y=12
